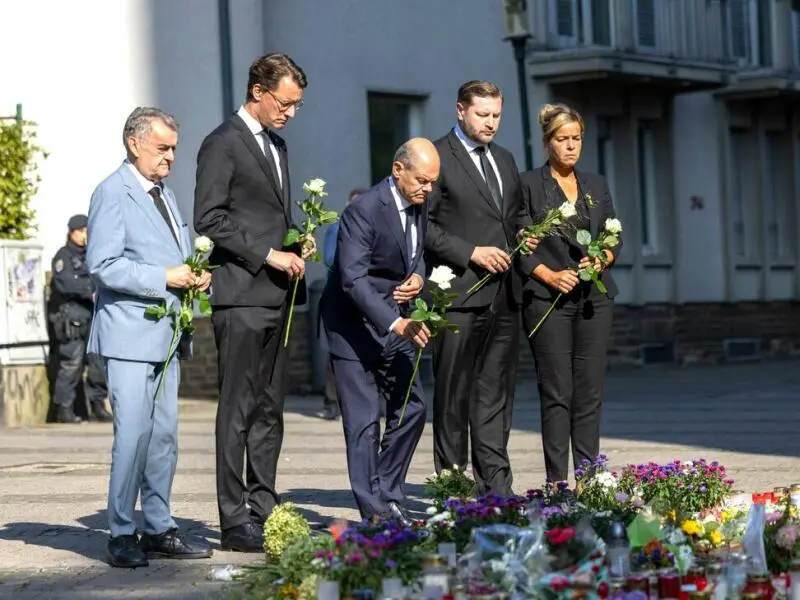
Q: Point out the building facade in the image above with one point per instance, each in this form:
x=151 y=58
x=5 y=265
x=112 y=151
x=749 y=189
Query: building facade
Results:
x=691 y=108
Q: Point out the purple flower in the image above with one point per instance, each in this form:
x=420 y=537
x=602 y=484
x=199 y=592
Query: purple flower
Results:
x=391 y=564
x=621 y=497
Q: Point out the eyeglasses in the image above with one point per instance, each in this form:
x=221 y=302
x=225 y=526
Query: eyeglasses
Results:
x=284 y=106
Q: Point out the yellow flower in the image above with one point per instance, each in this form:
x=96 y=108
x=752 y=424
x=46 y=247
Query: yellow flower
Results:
x=690 y=527
x=715 y=537
x=284 y=523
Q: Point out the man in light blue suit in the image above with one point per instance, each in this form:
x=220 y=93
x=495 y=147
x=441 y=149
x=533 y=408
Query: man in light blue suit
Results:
x=136 y=249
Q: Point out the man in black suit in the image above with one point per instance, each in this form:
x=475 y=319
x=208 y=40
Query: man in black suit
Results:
x=242 y=202
x=474 y=210
x=378 y=270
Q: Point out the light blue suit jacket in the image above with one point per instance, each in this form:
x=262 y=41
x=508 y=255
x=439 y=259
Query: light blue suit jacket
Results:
x=129 y=250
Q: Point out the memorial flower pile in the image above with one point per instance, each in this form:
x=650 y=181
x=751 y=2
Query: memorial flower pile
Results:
x=549 y=543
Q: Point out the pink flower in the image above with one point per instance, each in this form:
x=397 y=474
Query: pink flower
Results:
x=786 y=537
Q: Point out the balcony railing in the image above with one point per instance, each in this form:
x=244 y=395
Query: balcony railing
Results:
x=674 y=30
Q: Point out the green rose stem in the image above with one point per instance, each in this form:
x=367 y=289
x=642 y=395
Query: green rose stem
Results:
x=547 y=314
x=291 y=312
x=482 y=281
x=410 y=385
x=170 y=354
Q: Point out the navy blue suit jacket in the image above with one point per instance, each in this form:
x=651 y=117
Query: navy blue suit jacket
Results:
x=357 y=307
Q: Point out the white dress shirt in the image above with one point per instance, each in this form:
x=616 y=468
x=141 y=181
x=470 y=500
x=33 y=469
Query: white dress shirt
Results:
x=470 y=146
x=148 y=185
x=262 y=138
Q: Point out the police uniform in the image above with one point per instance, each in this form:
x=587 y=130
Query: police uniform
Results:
x=70 y=312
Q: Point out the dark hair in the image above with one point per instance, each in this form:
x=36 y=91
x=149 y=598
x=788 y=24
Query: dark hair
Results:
x=355 y=193
x=481 y=89
x=268 y=71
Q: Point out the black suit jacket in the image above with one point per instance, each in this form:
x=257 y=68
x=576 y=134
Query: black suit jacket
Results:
x=357 y=307
x=463 y=215
x=541 y=193
x=241 y=206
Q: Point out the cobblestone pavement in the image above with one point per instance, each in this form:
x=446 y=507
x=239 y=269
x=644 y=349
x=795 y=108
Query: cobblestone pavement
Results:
x=53 y=478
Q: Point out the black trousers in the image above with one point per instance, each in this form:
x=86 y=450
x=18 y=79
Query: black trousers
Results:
x=253 y=374
x=473 y=401
x=377 y=465
x=71 y=360
x=570 y=350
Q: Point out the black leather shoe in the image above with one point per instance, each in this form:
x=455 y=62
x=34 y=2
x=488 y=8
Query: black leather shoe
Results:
x=99 y=413
x=123 y=551
x=65 y=415
x=171 y=544
x=398 y=514
x=243 y=538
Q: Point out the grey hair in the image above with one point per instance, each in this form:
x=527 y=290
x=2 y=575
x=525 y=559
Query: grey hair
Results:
x=405 y=155
x=138 y=123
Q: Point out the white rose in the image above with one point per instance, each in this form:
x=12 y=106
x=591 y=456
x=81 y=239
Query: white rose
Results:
x=431 y=510
x=442 y=276
x=567 y=210
x=316 y=187
x=613 y=226
x=203 y=244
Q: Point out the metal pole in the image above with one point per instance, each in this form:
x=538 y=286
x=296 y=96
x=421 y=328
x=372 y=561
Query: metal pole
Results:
x=519 y=44
x=224 y=15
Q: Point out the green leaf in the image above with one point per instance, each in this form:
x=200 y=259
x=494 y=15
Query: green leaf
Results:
x=292 y=237
x=584 y=237
x=435 y=317
x=610 y=241
x=328 y=217
x=586 y=274
x=204 y=304
x=594 y=251
x=601 y=286
x=421 y=304
x=419 y=315
x=156 y=311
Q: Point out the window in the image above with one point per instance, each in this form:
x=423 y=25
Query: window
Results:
x=796 y=32
x=564 y=21
x=646 y=23
x=648 y=194
x=605 y=153
x=778 y=203
x=393 y=119
x=739 y=162
x=743 y=39
x=601 y=21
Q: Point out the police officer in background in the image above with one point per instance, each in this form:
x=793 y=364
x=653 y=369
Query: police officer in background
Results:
x=70 y=312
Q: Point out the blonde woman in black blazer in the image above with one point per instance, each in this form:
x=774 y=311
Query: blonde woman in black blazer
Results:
x=570 y=348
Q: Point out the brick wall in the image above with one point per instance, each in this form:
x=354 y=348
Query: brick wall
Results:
x=683 y=333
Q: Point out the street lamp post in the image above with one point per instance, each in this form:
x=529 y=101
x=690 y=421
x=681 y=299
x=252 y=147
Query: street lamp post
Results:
x=518 y=34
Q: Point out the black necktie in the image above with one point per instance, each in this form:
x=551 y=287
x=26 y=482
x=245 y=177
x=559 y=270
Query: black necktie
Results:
x=490 y=176
x=273 y=164
x=158 y=200
x=411 y=217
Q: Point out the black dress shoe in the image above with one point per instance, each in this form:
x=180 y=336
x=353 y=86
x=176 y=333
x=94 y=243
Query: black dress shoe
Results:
x=123 y=551
x=398 y=514
x=99 y=413
x=243 y=538
x=171 y=544
x=65 y=415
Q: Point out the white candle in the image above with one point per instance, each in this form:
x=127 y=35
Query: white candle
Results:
x=327 y=590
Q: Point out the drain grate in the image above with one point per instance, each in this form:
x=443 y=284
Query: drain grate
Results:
x=51 y=468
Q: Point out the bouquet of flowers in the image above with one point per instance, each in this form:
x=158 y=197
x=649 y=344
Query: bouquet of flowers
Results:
x=552 y=224
x=316 y=214
x=449 y=483
x=577 y=563
x=183 y=315
x=432 y=316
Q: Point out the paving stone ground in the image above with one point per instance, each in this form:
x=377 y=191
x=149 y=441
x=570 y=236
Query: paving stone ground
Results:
x=53 y=478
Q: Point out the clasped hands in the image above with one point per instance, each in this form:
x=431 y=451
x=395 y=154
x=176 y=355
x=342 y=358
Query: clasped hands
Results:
x=291 y=264
x=418 y=333
x=182 y=277
x=564 y=281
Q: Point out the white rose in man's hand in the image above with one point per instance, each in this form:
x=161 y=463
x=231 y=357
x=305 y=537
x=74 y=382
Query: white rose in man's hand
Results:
x=442 y=276
x=567 y=210
x=315 y=186
x=613 y=226
x=203 y=244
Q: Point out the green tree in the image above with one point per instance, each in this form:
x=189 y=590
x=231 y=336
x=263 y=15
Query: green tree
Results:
x=19 y=179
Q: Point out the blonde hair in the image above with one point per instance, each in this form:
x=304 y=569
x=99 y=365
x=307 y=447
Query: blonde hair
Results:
x=553 y=117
